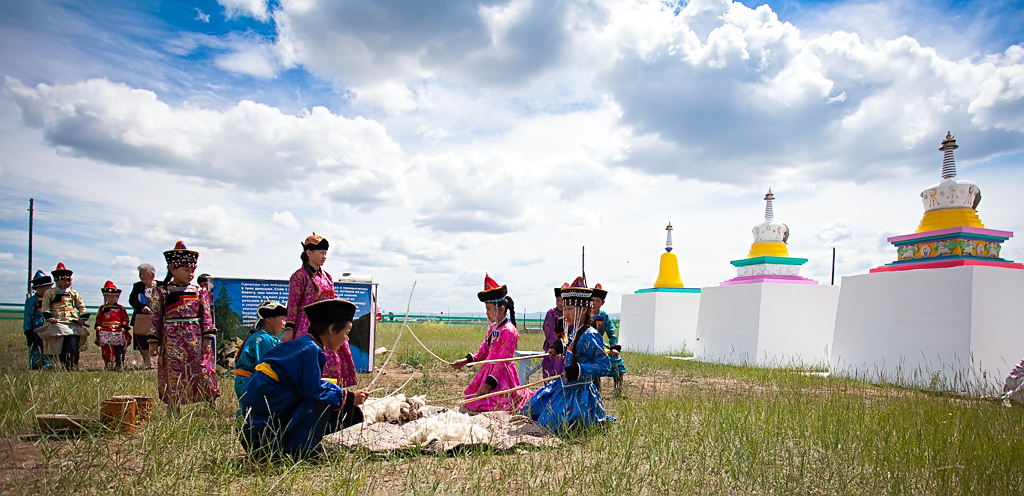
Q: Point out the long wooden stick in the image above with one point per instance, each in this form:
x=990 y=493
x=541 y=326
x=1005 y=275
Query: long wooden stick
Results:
x=503 y=360
x=462 y=399
x=425 y=347
x=406 y=319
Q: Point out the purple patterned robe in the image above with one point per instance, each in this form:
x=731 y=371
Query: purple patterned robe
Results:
x=181 y=318
x=500 y=343
x=551 y=365
x=304 y=289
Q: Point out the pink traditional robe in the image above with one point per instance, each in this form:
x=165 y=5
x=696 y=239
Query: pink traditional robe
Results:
x=501 y=342
x=305 y=289
x=181 y=318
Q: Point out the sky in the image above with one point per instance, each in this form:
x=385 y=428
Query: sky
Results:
x=434 y=142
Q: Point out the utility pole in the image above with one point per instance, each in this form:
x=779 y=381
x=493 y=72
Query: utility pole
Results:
x=833 y=265
x=31 y=218
x=583 y=265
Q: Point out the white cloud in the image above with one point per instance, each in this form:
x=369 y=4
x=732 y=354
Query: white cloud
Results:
x=129 y=262
x=6 y=258
x=257 y=9
x=208 y=227
x=201 y=17
x=255 y=60
x=415 y=247
x=121 y=228
x=286 y=220
x=835 y=231
x=250 y=144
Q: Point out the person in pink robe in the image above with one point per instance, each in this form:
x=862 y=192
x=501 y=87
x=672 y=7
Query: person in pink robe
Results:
x=501 y=341
x=308 y=285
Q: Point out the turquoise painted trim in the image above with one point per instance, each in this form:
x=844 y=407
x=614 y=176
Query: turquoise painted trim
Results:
x=768 y=260
x=959 y=235
x=948 y=257
x=668 y=290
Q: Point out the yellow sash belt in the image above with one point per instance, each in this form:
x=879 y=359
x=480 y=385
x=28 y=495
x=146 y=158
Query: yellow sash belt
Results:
x=243 y=373
x=265 y=368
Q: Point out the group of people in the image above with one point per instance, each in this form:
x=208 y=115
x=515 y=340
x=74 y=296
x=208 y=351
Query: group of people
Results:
x=293 y=367
x=56 y=323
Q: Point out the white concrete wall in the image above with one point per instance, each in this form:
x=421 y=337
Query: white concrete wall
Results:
x=767 y=324
x=797 y=324
x=955 y=328
x=658 y=322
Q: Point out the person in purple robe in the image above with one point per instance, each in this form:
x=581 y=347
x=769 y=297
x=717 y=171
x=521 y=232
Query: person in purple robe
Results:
x=551 y=364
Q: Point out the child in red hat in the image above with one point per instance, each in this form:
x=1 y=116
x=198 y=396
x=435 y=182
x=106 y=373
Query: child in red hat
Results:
x=112 y=329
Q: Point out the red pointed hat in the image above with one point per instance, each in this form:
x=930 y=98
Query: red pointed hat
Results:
x=558 y=291
x=109 y=288
x=576 y=295
x=181 y=256
x=492 y=293
x=600 y=293
x=315 y=242
x=61 y=272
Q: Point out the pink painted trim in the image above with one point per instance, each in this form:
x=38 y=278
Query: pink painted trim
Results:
x=941 y=264
x=953 y=230
x=772 y=279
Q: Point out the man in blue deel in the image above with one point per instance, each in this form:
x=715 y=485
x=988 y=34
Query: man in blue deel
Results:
x=286 y=405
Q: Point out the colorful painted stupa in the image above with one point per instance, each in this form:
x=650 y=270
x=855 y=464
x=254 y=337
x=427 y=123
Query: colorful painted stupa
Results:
x=661 y=319
x=769 y=260
x=669 y=280
x=951 y=233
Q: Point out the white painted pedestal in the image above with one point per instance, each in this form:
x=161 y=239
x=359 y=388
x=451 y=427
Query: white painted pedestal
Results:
x=957 y=329
x=659 y=322
x=767 y=324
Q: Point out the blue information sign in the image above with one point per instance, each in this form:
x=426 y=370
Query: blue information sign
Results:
x=244 y=296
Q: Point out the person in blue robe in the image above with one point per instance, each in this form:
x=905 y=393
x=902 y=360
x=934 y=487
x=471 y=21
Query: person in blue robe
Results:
x=34 y=319
x=573 y=400
x=286 y=406
x=264 y=336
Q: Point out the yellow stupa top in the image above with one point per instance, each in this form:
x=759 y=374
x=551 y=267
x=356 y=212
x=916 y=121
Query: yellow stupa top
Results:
x=668 y=273
x=951 y=203
x=769 y=239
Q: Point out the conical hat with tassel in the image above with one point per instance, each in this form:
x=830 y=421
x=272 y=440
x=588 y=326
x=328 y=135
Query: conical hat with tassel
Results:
x=492 y=293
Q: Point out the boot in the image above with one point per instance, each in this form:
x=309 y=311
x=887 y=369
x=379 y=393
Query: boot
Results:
x=618 y=386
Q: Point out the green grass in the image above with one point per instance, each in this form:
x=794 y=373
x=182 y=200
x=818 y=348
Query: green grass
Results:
x=684 y=427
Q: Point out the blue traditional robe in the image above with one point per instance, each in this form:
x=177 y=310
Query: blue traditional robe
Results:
x=253 y=350
x=562 y=403
x=287 y=407
x=605 y=326
x=34 y=319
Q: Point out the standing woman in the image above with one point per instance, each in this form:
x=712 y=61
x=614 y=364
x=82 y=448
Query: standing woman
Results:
x=183 y=331
x=501 y=341
x=140 y=299
x=308 y=285
x=573 y=400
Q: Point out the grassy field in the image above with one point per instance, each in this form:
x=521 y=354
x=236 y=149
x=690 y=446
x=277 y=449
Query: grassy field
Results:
x=683 y=428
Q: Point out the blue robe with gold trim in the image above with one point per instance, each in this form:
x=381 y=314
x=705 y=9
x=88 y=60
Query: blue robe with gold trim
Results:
x=287 y=407
x=562 y=403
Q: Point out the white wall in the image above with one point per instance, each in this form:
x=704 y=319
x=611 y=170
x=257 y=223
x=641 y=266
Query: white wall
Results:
x=767 y=324
x=659 y=322
x=955 y=328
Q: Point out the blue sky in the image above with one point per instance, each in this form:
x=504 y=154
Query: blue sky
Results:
x=436 y=141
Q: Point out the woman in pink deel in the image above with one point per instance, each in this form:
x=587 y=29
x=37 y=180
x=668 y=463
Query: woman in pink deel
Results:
x=308 y=285
x=501 y=341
